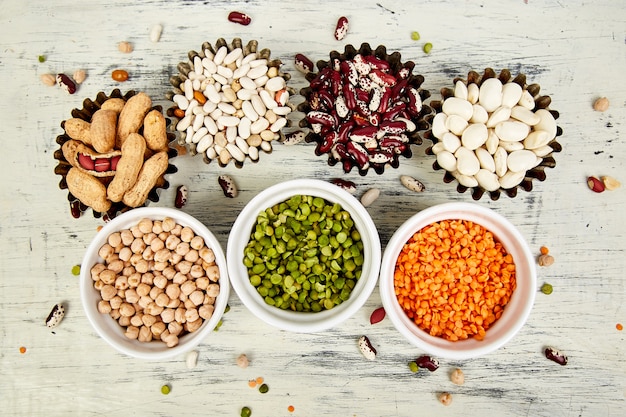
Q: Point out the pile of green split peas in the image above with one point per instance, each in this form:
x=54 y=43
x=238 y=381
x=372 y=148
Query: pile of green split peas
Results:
x=304 y=254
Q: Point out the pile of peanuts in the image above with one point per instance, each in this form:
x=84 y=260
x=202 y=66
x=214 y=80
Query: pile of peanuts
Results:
x=231 y=104
x=158 y=280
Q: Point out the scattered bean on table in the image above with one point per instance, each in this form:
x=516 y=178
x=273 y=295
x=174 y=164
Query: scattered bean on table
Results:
x=427 y=362
x=601 y=104
x=457 y=377
x=546 y=288
x=76 y=270
x=304 y=254
x=595 y=184
x=377 y=315
x=366 y=348
x=443 y=299
x=119 y=75
x=445 y=398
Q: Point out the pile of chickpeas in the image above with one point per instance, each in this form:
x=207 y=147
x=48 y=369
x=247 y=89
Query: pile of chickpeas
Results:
x=158 y=280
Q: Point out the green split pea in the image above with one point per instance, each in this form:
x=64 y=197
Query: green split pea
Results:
x=304 y=254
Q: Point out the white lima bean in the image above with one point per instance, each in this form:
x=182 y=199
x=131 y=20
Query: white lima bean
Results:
x=238 y=90
x=145 y=297
x=489 y=136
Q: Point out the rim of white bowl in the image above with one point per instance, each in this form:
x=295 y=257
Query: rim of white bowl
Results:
x=107 y=328
x=302 y=322
x=516 y=312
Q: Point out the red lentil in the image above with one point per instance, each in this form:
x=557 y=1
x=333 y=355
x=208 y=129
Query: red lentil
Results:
x=22 y=350
x=291 y=408
x=619 y=326
x=453 y=279
x=544 y=250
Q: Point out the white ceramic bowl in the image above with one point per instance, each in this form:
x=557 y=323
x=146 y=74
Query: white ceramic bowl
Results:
x=108 y=328
x=304 y=322
x=515 y=313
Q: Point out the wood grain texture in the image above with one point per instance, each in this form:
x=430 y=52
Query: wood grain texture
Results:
x=575 y=50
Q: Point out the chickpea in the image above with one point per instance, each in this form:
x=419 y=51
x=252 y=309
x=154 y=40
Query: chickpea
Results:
x=187 y=234
x=171 y=340
x=127 y=237
x=106 y=251
x=182 y=248
x=162 y=256
x=107 y=292
x=206 y=311
x=213 y=290
x=174 y=303
x=188 y=304
x=123 y=321
x=158 y=328
x=136 y=321
x=127 y=310
x=121 y=283
x=197 y=242
x=145 y=335
x=175 y=259
x=196 y=271
x=175 y=328
x=148 y=320
x=176 y=230
x=157 y=244
x=179 y=278
x=209 y=300
x=104 y=307
x=184 y=267
x=157 y=227
x=96 y=270
x=168 y=224
x=137 y=233
x=145 y=225
x=115 y=314
x=148 y=254
x=179 y=315
x=155 y=291
x=144 y=301
x=160 y=281
x=172 y=290
x=134 y=280
x=132 y=332
x=116 y=302
x=142 y=266
x=188 y=287
x=171 y=242
x=202 y=283
x=98 y=284
x=194 y=325
x=213 y=273
x=162 y=300
x=192 y=256
x=138 y=246
x=131 y=296
x=169 y=272
x=206 y=254
x=445 y=398
x=457 y=377
x=149 y=237
x=128 y=270
x=196 y=297
x=167 y=315
x=153 y=309
x=147 y=278
x=159 y=266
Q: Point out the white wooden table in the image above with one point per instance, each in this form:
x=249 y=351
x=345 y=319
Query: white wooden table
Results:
x=575 y=50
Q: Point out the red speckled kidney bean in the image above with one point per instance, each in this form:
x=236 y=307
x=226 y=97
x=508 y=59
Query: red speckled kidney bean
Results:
x=556 y=356
x=427 y=362
x=239 y=17
x=341 y=30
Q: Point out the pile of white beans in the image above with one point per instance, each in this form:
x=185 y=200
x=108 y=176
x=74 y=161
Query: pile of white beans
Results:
x=490 y=136
x=241 y=108
x=158 y=280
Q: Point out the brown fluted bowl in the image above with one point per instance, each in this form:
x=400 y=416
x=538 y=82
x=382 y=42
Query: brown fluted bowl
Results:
x=364 y=108
x=93 y=171
x=501 y=171
x=201 y=90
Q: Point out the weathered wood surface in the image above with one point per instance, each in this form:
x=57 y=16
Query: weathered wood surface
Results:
x=575 y=50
